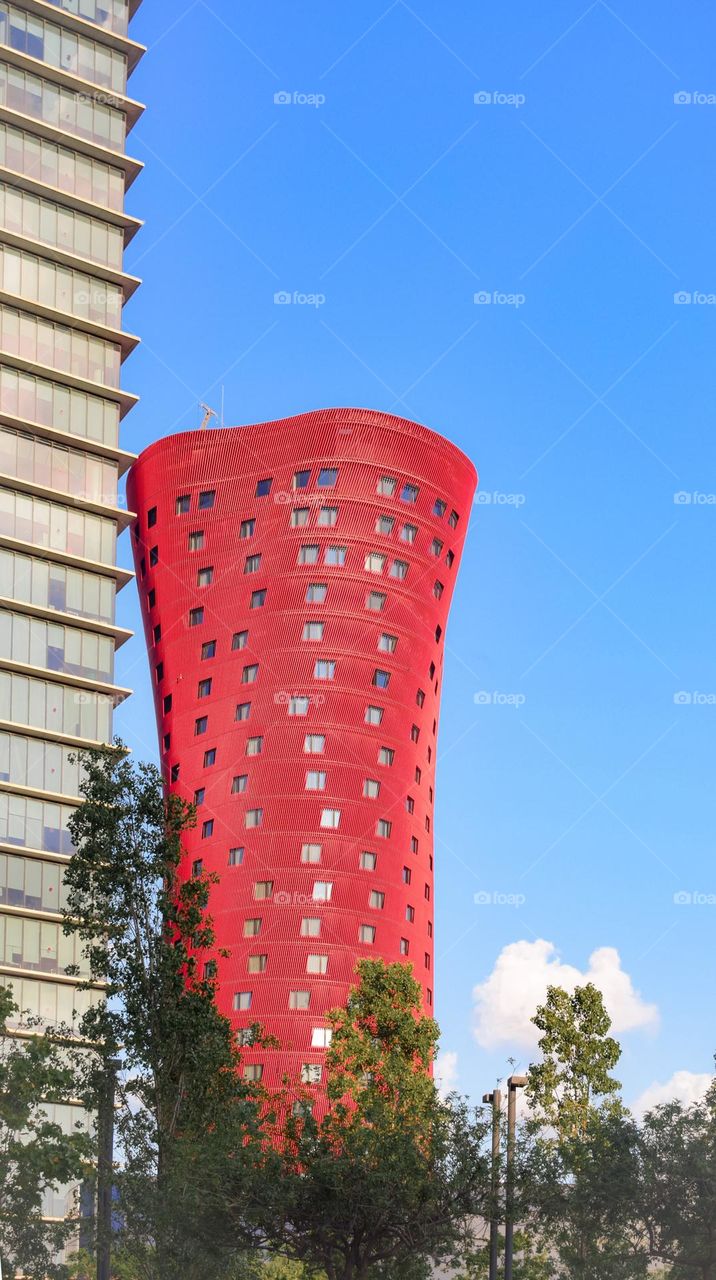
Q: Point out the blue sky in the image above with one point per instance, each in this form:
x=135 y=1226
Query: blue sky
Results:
x=578 y=197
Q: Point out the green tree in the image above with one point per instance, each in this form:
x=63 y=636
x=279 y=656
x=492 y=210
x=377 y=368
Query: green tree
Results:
x=35 y=1154
x=382 y=1183
x=578 y=1055
x=678 y=1190
x=184 y=1115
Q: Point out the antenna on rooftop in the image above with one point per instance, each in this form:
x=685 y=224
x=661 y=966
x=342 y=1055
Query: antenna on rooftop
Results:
x=208 y=415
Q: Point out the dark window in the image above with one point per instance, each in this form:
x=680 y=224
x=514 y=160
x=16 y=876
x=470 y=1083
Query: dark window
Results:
x=209 y=757
x=409 y=493
x=151 y=517
x=209 y=970
x=153 y=556
x=200 y=725
x=167 y=703
x=420 y=698
x=196 y=540
x=167 y=741
x=413 y=844
x=207 y=828
x=197 y=867
x=238 y=783
x=208 y=649
x=327 y=477
x=440 y=507
x=206 y=499
x=236 y=857
x=174 y=775
x=247 y=528
x=258 y=598
x=415 y=733
x=143 y=567
x=199 y=795
x=182 y=504
x=381 y=679
x=205 y=576
x=204 y=689
x=438 y=633
x=152 y=598
x=159 y=672
x=196 y=616
x=301 y=479
x=454 y=517
x=263 y=487
x=239 y=639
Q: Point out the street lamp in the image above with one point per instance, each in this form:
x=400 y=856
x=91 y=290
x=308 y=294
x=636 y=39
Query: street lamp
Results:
x=495 y=1099
x=513 y=1084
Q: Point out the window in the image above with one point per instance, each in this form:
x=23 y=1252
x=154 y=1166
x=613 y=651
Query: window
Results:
x=239 y=783
x=436 y=547
x=254 y=746
x=387 y=643
x=308 y=554
x=414 y=733
x=247 y=528
x=152 y=598
x=317 y=964
x=429 y=996
x=376 y=900
x=252 y=928
x=167 y=740
x=208 y=650
x=409 y=493
x=374 y=562
x=327 y=477
x=330 y=818
x=252 y=564
x=427 y=893
x=153 y=557
x=142 y=566
x=373 y=715
x=316 y=593
x=409 y=533
x=151 y=517
x=386 y=486
x=242 y=1000
x=181 y=506
x=410 y=914
x=366 y=933
x=200 y=725
x=209 y=970
x=324 y=669
x=253 y=1071
x=197 y=867
x=420 y=697
x=301 y=479
x=167 y=703
x=257 y=964
x=375 y=600
x=410 y=804
x=414 y=844
x=253 y=817
x=249 y=673
x=322 y=890
x=449 y=559
x=239 y=640
x=399 y=569
x=263 y=488
x=367 y=861
x=245 y=1037
x=321 y=1037
x=407 y=875
x=386 y=755
x=298 y=999
x=431 y=670
x=174 y=775
x=314 y=744
x=206 y=499
x=311 y=852
x=404 y=947
x=298 y=706
x=196 y=617
x=437 y=589
x=203 y=689
x=381 y=679
x=383 y=828
x=207 y=829
x=439 y=507
x=157 y=633
x=418 y=773
x=313 y=630
x=236 y=856
x=299 y=517
x=258 y=598
x=427 y=959
x=311 y=1073
x=454 y=517
x=315 y=780
x=196 y=540
x=205 y=576
x=384 y=524
x=371 y=788
x=310 y=927
x=328 y=516
x=243 y=710
x=159 y=672
x=430 y=928
x=263 y=889
x=335 y=555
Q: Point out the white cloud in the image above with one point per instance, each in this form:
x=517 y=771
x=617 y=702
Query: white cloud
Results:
x=684 y=1086
x=446 y=1071
x=506 y=1001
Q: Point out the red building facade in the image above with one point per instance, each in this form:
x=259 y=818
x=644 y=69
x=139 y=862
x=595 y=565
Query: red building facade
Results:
x=295 y=580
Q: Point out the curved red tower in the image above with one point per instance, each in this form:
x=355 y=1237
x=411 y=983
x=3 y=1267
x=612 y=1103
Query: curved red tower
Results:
x=295 y=580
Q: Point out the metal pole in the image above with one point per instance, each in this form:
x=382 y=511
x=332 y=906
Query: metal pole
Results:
x=513 y=1084
x=105 y=1163
x=496 y=1099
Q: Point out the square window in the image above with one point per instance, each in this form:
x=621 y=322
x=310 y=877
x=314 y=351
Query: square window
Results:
x=386 y=486
x=301 y=479
x=399 y=569
x=454 y=517
x=316 y=593
x=308 y=554
x=373 y=715
x=196 y=540
x=335 y=555
x=438 y=589
x=313 y=630
x=197 y=867
x=200 y=725
x=449 y=559
x=410 y=915
x=375 y=600
x=263 y=488
x=407 y=875
x=384 y=524
x=249 y=673
x=253 y=1071
x=298 y=706
x=321 y=1037
x=206 y=499
x=207 y=829
x=317 y=964
x=258 y=598
x=242 y=1000
x=322 y=890
x=374 y=562
x=254 y=746
x=366 y=933
x=253 y=817
x=311 y=1073
x=247 y=528
x=239 y=640
x=263 y=889
x=181 y=506
x=409 y=533
x=204 y=689
x=386 y=755
x=252 y=928
x=311 y=852
x=209 y=970
x=236 y=856
x=327 y=477
x=368 y=861
x=314 y=744
x=199 y=795
x=151 y=517
x=381 y=679
x=299 y=517
x=243 y=711
x=252 y=564
x=436 y=547
x=371 y=788
x=209 y=757
x=328 y=516
x=331 y=818
x=409 y=493
x=324 y=669
x=205 y=576
x=310 y=927
x=387 y=643
x=239 y=783
x=376 y=900
x=257 y=964
x=208 y=649
x=383 y=828
x=315 y=780
x=196 y=617
x=298 y=999
x=439 y=507
x=404 y=947
x=410 y=804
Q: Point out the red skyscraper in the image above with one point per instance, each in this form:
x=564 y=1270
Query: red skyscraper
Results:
x=295 y=580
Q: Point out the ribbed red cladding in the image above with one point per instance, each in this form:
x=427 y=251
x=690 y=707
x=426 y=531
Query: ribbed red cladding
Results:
x=365 y=447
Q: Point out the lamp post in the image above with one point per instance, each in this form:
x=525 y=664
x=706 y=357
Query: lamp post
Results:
x=513 y=1084
x=105 y=1159
x=495 y=1099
